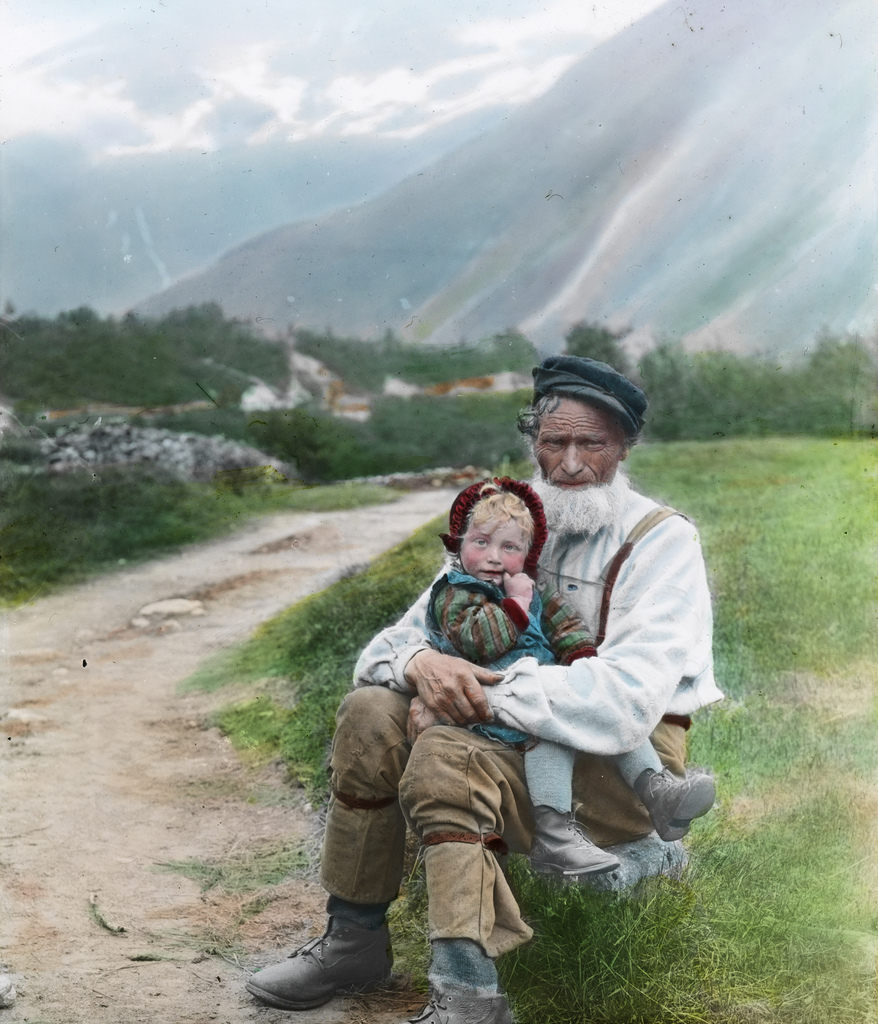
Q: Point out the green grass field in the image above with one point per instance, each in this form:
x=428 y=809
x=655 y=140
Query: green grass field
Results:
x=57 y=529
x=776 y=918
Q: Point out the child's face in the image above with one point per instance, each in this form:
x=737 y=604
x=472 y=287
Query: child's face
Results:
x=492 y=549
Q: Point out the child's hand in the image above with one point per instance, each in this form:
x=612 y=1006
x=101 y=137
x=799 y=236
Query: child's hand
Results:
x=519 y=587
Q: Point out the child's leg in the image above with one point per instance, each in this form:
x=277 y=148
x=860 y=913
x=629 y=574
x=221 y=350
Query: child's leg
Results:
x=548 y=769
x=560 y=847
x=634 y=763
x=672 y=802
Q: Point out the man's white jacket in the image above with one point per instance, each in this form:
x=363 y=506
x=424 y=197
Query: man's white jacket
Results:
x=656 y=657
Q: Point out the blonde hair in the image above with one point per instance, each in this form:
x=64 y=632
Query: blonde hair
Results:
x=501 y=506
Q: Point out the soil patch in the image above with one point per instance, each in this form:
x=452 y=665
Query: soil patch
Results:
x=124 y=809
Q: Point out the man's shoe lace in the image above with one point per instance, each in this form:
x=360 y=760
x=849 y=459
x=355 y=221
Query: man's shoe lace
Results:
x=429 y=1011
x=315 y=947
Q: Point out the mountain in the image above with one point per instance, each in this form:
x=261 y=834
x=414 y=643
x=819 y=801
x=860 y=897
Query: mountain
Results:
x=707 y=175
x=107 y=233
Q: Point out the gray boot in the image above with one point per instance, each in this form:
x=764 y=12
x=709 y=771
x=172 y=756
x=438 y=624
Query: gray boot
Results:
x=346 y=958
x=560 y=847
x=460 y=1007
x=673 y=802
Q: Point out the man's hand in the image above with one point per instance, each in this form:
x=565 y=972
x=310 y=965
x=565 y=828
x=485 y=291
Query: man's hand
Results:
x=421 y=718
x=451 y=688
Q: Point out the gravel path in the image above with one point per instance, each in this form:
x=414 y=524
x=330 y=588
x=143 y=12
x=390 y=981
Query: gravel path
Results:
x=109 y=773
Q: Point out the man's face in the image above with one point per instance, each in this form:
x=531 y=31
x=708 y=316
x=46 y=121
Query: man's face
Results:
x=579 y=445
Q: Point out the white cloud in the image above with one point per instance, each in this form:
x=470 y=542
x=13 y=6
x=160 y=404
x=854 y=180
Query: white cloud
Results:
x=35 y=103
x=183 y=130
x=498 y=61
x=562 y=18
x=23 y=40
x=254 y=80
x=503 y=86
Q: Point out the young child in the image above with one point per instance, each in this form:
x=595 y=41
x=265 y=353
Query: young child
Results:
x=486 y=609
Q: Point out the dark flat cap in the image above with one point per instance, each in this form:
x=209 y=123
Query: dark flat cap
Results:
x=592 y=381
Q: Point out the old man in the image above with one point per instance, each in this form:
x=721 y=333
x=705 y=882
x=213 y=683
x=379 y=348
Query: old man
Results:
x=634 y=572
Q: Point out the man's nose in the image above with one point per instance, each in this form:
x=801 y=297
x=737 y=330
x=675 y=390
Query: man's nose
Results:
x=571 y=460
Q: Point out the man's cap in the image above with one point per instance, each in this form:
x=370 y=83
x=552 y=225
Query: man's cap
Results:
x=592 y=381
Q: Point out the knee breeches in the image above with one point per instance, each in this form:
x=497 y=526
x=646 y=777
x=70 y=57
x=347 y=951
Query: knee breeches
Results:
x=466 y=797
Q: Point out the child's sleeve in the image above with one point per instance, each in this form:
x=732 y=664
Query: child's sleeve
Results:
x=479 y=628
x=565 y=631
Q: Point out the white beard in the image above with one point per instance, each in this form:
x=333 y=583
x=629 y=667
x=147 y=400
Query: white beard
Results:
x=583 y=509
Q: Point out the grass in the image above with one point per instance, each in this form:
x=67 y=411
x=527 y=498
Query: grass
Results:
x=62 y=528
x=247 y=872
x=776 y=918
x=788 y=526
x=313 y=647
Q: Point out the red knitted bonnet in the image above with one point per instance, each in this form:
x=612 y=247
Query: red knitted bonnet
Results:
x=467 y=500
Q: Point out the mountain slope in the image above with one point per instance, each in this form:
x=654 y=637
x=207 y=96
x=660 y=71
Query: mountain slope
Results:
x=108 y=233
x=707 y=174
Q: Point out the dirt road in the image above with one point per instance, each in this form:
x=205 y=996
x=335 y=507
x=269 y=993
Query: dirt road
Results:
x=109 y=773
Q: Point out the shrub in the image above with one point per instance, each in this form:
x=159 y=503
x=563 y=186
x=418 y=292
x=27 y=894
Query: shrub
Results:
x=369 y=363
x=720 y=394
x=79 y=357
x=597 y=342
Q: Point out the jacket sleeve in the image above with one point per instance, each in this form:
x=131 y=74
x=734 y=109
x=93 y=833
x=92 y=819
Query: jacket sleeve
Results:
x=386 y=657
x=656 y=656
x=565 y=631
x=480 y=629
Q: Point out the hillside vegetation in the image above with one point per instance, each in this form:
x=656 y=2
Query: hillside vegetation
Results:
x=191 y=355
x=55 y=527
x=775 y=919
x=706 y=395
x=367 y=364
x=198 y=354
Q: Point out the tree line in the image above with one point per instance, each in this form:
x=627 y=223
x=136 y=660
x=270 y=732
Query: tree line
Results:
x=79 y=357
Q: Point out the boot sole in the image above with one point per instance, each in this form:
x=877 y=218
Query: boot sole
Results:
x=270 y=999
x=549 y=869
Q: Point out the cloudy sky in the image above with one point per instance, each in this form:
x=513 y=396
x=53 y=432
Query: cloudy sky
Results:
x=123 y=77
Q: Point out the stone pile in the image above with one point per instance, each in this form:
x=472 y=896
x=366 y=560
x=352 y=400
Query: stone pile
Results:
x=444 y=476
x=7 y=992
x=183 y=456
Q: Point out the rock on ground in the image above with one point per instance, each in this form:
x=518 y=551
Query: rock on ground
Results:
x=184 y=456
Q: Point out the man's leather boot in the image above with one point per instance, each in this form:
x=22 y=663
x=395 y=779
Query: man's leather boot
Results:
x=346 y=958
x=673 y=802
x=560 y=847
x=459 y=1007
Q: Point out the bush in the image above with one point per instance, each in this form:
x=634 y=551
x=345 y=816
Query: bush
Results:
x=597 y=342
x=58 y=528
x=187 y=356
x=410 y=434
x=719 y=394
x=402 y=435
x=321 y=446
x=369 y=363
